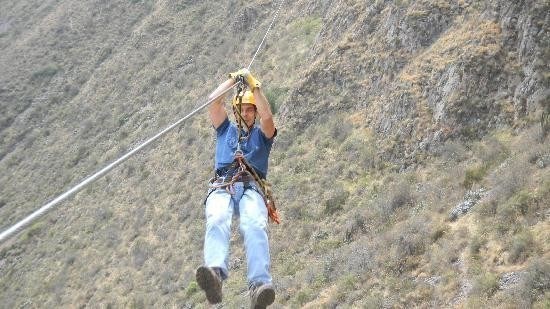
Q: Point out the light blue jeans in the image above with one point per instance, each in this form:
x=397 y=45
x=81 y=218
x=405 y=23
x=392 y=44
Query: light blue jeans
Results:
x=249 y=206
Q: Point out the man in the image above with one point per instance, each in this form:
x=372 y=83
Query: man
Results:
x=235 y=192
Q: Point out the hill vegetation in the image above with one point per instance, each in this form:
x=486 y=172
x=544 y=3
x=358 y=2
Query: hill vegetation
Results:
x=411 y=167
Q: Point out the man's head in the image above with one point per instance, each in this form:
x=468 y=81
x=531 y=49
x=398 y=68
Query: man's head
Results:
x=247 y=106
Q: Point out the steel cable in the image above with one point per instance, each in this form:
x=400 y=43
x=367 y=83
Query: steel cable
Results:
x=263 y=39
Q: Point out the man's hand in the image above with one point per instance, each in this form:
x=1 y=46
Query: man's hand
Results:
x=249 y=79
x=240 y=72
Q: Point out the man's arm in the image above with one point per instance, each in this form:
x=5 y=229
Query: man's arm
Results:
x=264 y=112
x=216 y=110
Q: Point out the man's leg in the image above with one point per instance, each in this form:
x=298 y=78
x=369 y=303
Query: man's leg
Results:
x=253 y=227
x=219 y=211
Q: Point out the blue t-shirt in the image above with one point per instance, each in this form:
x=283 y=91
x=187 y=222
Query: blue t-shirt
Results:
x=256 y=148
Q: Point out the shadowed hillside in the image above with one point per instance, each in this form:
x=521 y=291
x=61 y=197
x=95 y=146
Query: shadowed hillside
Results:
x=410 y=169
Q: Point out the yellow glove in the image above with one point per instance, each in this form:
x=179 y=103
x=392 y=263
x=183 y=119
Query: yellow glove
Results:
x=240 y=72
x=249 y=79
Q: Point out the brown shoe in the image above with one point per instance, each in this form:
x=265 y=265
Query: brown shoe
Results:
x=209 y=280
x=261 y=296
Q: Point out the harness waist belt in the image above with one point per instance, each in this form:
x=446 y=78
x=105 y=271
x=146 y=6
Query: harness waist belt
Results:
x=231 y=170
x=240 y=178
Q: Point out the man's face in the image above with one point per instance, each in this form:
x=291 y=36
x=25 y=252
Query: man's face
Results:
x=248 y=111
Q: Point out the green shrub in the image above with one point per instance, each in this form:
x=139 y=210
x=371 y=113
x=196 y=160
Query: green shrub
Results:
x=374 y=301
x=438 y=232
x=476 y=244
x=404 y=244
x=346 y=285
x=485 y=285
x=191 y=289
x=522 y=201
x=303 y=296
x=536 y=281
x=543 y=303
x=492 y=149
x=33 y=230
x=510 y=179
x=306 y=28
x=399 y=195
x=335 y=202
x=354 y=226
x=276 y=96
x=140 y=253
x=520 y=247
x=474 y=175
x=45 y=72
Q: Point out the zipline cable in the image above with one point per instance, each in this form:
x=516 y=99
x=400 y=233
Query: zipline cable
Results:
x=19 y=226
x=268 y=28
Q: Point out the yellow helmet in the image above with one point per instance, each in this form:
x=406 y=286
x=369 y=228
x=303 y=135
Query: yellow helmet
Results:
x=246 y=97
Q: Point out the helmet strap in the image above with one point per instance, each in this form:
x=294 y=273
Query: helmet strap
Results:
x=237 y=111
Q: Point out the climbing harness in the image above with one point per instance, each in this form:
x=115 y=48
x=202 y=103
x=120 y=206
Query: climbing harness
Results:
x=19 y=226
x=244 y=172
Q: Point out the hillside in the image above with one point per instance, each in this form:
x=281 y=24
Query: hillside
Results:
x=411 y=167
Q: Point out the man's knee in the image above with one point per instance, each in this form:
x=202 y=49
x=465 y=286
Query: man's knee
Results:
x=253 y=224
x=218 y=210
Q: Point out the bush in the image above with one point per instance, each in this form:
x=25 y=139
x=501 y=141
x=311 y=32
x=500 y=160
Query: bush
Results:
x=476 y=244
x=485 y=285
x=45 y=72
x=474 y=175
x=305 y=28
x=340 y=130
x=140 y=253
x=398 y=196
x=33 y=230
x=510 y=213
x=357 y=149
x=303 y=296
x=521 y=202
x=276 y=96
x=520 y=247
x=438 y=231
x=374 y=301
x=492 y=150
x=354 y=226
x=191 y=289
x=536 y=281
x=510 y=179
x=335 y=202
x=346 y=285
x=404 y=244
x=357 y=258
